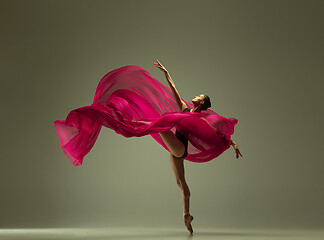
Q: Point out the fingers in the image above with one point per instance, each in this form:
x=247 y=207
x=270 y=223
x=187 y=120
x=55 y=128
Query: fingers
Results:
x=158 y=64
x=238 y=153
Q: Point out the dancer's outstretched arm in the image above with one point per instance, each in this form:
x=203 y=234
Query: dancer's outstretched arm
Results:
x=236 y=149
x=182 y=105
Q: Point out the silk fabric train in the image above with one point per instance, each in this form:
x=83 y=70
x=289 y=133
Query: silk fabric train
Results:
x=129 y=94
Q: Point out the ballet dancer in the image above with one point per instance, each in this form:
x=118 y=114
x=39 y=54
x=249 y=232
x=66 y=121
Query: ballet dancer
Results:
x=133 y=103
x=177 y=144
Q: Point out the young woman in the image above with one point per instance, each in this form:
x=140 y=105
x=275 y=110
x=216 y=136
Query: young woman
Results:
x=131 y=102
x=177 y=144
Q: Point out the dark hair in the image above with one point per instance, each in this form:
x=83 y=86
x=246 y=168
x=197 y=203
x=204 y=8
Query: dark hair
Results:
x=207 y=103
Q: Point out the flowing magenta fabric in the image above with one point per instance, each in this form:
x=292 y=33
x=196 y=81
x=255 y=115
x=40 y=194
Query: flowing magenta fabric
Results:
x=133 y=103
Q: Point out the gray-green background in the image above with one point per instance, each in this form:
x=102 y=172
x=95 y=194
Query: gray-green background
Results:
x=259 y=61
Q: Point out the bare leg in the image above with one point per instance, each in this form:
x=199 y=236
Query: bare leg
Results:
x=178 y=170
x=174 y=145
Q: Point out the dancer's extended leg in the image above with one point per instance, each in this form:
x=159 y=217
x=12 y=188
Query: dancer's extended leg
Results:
x=175 y=146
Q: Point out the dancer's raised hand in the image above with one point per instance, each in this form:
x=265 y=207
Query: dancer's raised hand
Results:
x=160 y=66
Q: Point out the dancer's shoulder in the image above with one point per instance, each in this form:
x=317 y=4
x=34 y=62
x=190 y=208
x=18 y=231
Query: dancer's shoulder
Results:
x=183 y=106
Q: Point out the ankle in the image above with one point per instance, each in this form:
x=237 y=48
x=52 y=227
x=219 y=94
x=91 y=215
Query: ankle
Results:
x=186 y=214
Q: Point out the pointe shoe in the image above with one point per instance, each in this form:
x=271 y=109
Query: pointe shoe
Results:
x=187 y=221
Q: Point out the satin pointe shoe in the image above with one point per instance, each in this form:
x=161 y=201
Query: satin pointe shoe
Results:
x=187 y=221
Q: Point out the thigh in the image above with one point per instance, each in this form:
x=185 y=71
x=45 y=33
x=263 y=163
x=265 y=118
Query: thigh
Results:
x=175 y=146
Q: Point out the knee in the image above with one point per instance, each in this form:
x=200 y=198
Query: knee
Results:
x=178 y=154
x=179 y=183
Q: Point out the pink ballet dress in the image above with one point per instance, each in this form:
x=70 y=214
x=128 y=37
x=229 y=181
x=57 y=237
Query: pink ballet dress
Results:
x=133 y=103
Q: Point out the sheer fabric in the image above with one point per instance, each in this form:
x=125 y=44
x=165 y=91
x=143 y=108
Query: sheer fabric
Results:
x=133 y=103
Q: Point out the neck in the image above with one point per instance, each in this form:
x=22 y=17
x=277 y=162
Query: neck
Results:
x=196 y=109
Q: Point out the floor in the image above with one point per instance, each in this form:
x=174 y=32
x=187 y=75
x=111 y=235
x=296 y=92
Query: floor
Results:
x=155 y=233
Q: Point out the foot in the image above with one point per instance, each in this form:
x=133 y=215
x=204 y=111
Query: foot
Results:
x=187 y=221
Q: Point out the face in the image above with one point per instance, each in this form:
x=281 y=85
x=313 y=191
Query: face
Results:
x=198 y=99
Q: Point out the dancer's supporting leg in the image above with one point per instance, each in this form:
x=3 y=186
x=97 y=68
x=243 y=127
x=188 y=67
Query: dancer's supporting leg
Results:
x=178 y=170
x=177 y=149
